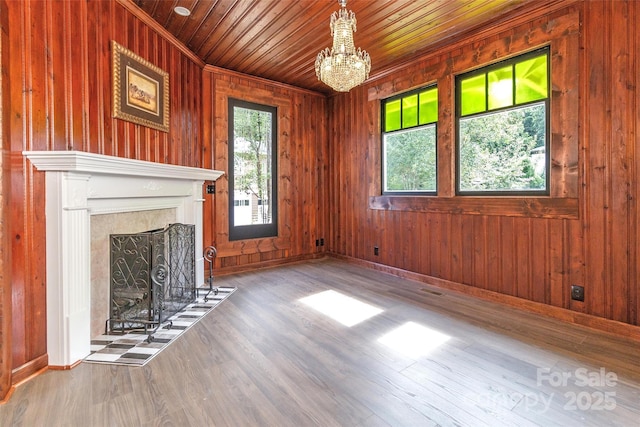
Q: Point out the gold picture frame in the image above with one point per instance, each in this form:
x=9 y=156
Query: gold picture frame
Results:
x=140 y=90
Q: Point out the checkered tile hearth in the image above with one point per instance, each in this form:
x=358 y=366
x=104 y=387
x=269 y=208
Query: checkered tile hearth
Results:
x=133 y=349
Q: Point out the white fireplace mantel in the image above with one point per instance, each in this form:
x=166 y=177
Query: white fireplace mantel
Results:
x=79 y=185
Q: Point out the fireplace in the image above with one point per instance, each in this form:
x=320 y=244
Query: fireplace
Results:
x=80 y=185
x=102 y=227
x=152 y=277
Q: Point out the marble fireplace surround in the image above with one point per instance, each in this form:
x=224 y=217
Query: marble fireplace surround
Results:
x=79 y=185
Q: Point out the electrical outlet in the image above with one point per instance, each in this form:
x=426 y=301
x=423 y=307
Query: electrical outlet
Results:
x=376 y=251
x=577 y=293
x=211 y=189
x=322 y=241
x=317 y=242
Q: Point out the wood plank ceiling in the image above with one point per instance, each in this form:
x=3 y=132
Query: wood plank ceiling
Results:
x=279 y=39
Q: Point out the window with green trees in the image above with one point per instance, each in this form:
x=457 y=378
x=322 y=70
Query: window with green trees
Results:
x=502 y=114
x=409 y=142
x=252 y=170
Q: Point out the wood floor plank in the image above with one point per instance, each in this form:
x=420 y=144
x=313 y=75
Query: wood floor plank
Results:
x=264 y=357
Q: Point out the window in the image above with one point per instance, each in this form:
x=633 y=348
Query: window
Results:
x=409 y=142
x=252 y=170
x=502 y=114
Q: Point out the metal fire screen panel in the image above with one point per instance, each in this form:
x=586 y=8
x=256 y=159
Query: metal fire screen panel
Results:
x=152 y=276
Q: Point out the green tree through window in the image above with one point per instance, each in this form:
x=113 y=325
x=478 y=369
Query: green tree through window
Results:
x=409 y=142
x=499 y=150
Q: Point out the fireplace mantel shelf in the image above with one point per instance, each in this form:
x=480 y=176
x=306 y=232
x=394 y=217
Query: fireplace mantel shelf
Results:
x=79 y=185
x=98 y=164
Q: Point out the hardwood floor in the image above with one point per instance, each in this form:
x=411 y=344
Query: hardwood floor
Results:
x=266 y=358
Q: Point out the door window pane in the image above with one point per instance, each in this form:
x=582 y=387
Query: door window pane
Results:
x=252 y=166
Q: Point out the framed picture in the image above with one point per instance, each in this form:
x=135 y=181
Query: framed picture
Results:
x=140 y=90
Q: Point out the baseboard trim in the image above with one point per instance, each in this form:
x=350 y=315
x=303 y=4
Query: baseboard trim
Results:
x=7 y=396
x=64 y=367
x=265 y=264
x=30 y=369
x=24 y=374
x=583 y=319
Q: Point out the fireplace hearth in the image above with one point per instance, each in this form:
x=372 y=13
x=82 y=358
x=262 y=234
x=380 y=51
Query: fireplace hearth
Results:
x=152 y=277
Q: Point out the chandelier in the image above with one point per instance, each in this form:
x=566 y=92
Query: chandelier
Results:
x=343 y=67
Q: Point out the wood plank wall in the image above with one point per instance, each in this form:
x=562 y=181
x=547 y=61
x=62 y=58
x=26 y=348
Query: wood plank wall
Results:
x=5 y=211
x=302 y=148
x=60 y=99
x=611 y=106
x=532 y=248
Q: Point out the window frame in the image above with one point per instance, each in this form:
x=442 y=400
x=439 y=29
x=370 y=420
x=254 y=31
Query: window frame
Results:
x=563 y=38
x=485 y=70
x=252 y=231
x=400 y=97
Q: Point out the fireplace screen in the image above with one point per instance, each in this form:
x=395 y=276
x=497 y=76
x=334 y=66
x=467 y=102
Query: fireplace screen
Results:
x=152 y=276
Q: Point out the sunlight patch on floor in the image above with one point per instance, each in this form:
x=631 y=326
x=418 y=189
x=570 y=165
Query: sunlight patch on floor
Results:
x=413 y=339
x=342 y=308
